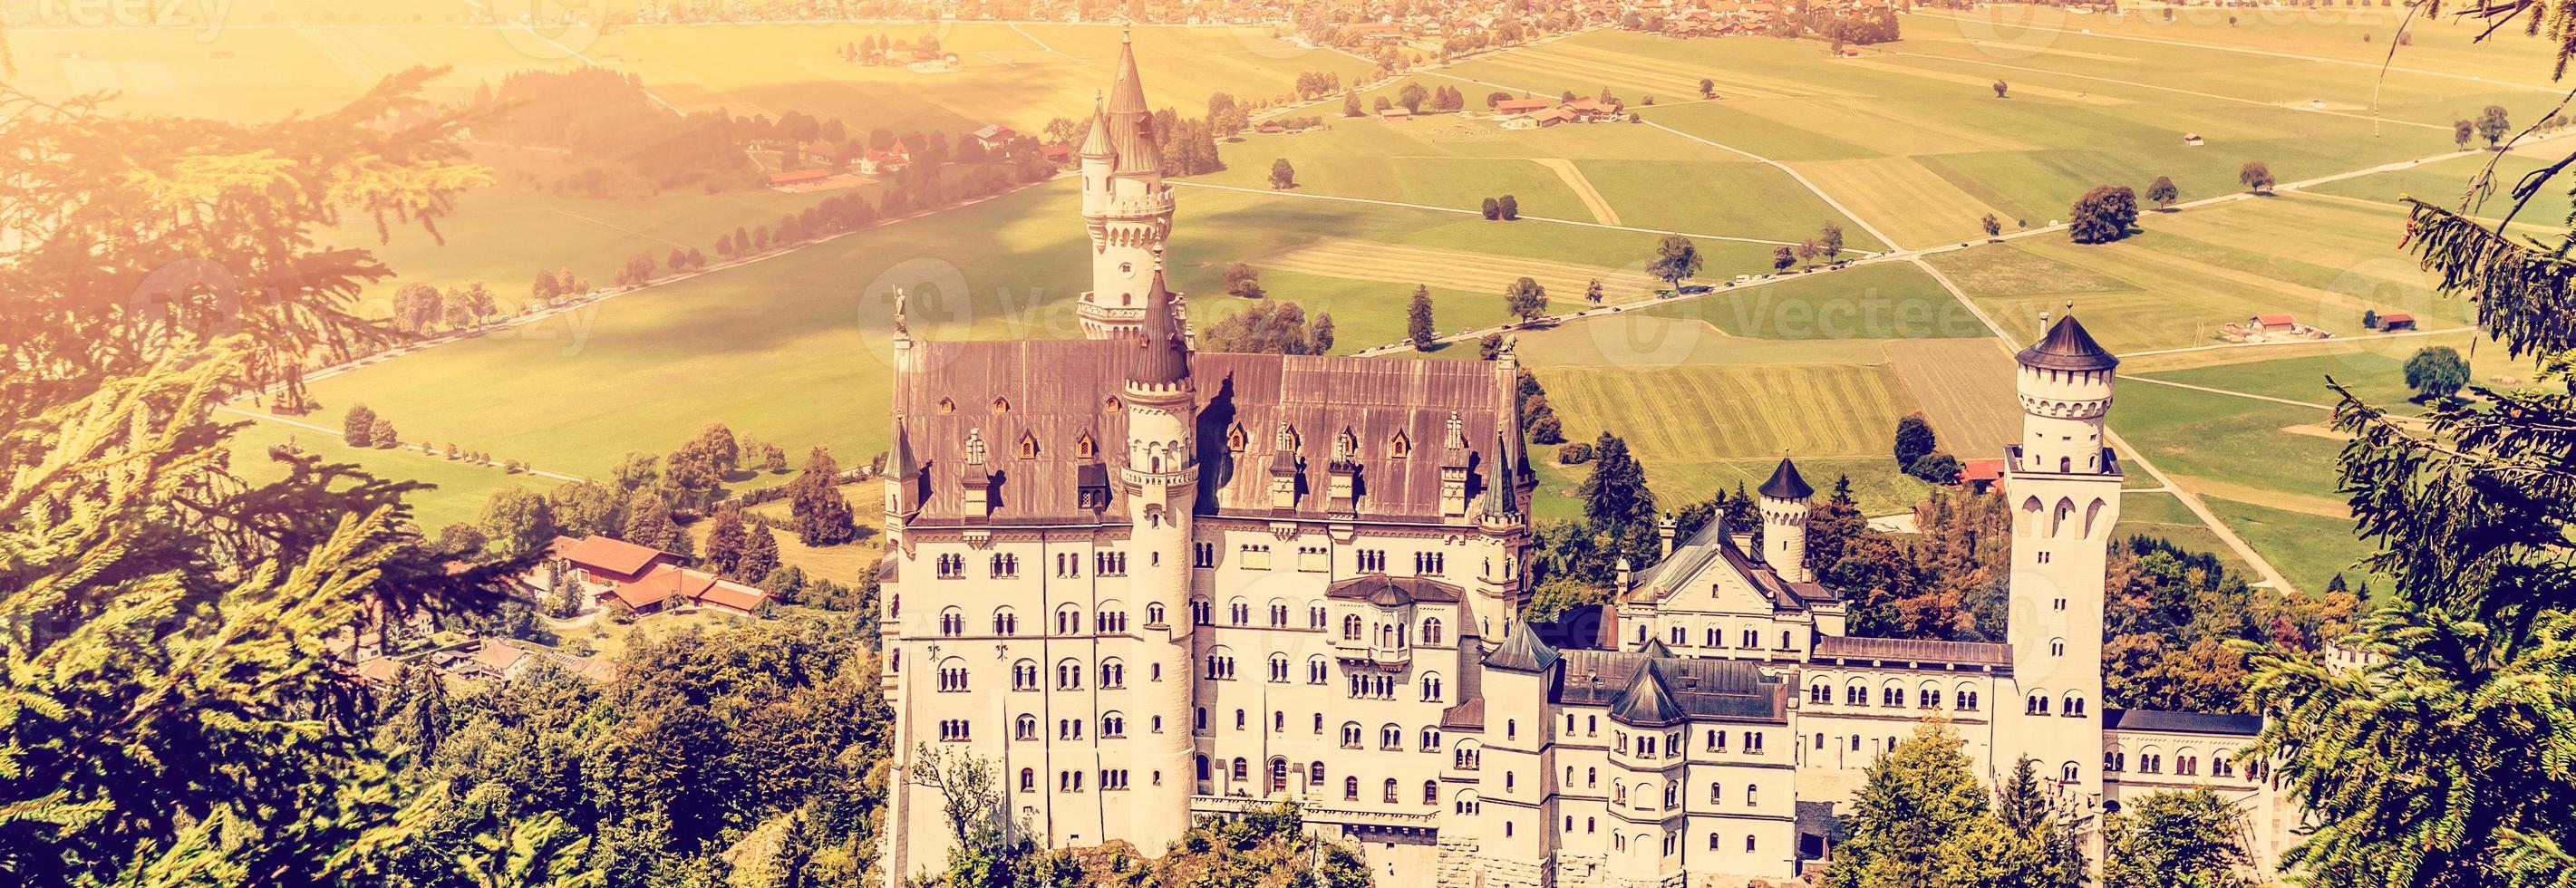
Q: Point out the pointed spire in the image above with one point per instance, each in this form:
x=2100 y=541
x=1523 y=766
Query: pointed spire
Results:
x=905 y=465
x=1127 y=91
x=1161 y=357
x=1095 y=143
x=1785 y=483
x=2068 y=347
x=1502 y=497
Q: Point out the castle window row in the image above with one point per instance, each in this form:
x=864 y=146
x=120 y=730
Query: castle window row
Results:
x=1894 y=696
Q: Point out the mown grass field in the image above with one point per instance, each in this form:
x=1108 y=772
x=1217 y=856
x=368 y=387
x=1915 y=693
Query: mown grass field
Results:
x=458 y=497
x=1709 y=390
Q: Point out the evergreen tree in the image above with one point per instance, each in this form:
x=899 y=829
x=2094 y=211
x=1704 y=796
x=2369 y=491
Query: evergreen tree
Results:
x=1417 y=319
x=380 y=433
x=1615 y=494
x=420 y=722
x=1914 y=440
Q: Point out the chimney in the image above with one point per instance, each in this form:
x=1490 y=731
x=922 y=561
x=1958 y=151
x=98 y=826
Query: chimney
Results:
x=1665 y=530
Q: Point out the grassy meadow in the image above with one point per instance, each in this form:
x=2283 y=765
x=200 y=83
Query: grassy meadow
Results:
x=1907 y=139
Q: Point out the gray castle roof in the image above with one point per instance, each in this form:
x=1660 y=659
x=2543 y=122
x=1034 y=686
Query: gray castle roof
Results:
x=2182 y=722
x=1785 y=483
x=1522 y=652
x=1645 y=702
x=2067 y=347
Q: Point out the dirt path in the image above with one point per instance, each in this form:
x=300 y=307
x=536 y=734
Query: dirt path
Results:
x=1592 y=199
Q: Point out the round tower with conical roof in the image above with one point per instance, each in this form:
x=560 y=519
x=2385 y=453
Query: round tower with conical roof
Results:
x=1126 y=206
x=1784 y=507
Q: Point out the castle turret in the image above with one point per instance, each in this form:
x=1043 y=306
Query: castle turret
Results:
x=1125 y=205
x=1784 y=508
x=1161 y=479
x=2063 y=484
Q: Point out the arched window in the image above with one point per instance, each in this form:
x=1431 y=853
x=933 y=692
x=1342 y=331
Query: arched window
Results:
x=1431 y=687
x=2074 y=705
x=1279 y=668
x=2067 y=772
x=1154 y=614
x=1025 y=727
x=1430 y=739
x=2037 y=704
x=1390 y=790
x=952 y=622
x=1005 y=622
x=1028 y=780
x=1431 y=792
x=1068 y=675
x=1113 y=674
x=1314 y=615
x=1316 y=671
x=1242 y=769
x=1351 y=627
x=1752 y=794
x=1351 y=789
x=1431 y=631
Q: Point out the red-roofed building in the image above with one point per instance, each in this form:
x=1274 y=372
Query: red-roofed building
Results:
x=2273 y=323
x=1395 y=113
x=601 y=560
x=2390 y=323
x=381 y=671
x=996 y=136
x=1055 y=153
x=894 y=159
x=670 y=587
x=1590 y=109
x=497 y=660
x=1982 y=475
x=1521 y=106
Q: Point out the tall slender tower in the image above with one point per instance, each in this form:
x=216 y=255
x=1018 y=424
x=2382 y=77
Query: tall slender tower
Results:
x=2063 y=484
x=1125 y=205
x=1161 y=478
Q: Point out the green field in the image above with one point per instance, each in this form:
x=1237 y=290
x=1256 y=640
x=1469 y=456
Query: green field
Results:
x=1908 y=138
x=461 y=487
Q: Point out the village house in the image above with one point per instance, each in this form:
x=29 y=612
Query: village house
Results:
x=607 y=561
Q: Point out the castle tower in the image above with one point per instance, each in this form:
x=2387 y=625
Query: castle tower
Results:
x=2063 y=484
x=1125 y=206
x=1161 y=479
x=1783 y=502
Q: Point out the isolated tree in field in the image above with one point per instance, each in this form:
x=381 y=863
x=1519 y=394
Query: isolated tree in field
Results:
x=1319 y=335
x=1243 y=282
x=1417 y=319
x=2492 y=125
x=1351 y=105
x=2163 y=192
x=1282 y=176
x=2256 y=177
x=1707 y=88
x=2436 y=372
x=357 y=429
x=1412 y=96
x=1525 y=299
x=2001 y=88
x=2103 y=215
x=1914 y=440
x=1782 y=257
x=1830 y=239
x=1808 y=251
x=1509 y=207
x=1992 y=225
x=381 y=433
x=2461 y=131
x=2189 y=837
x=1493 y=209
x=1676 y=260
x=1592 y=292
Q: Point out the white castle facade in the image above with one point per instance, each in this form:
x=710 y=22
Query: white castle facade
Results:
x=1147 y=584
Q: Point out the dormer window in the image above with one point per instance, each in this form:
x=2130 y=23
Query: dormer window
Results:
x=1401 y=447
x=947 y=406
x=1345 y=445
x=1001 y=405
x=1235 y=438
x=1109 y=405
x=1084 y=447
x=1028 y=445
